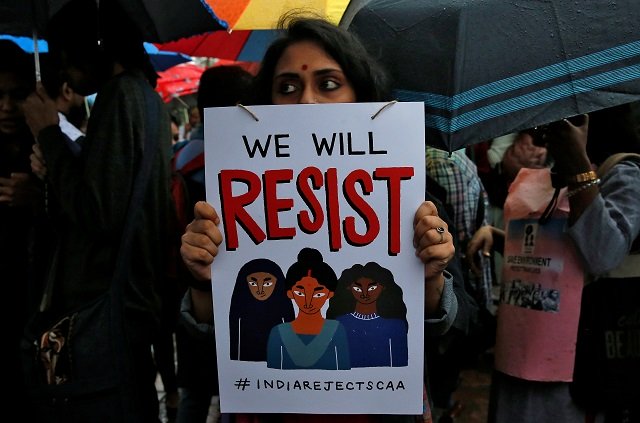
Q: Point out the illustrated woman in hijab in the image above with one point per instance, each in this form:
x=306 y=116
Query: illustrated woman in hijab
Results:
x=310 y=341
x=258 y=303
x=368 y=302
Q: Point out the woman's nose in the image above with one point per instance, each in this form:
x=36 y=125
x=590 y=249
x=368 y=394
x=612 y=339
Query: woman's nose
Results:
x=308 y=96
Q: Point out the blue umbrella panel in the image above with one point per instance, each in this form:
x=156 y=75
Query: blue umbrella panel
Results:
x=161 y=60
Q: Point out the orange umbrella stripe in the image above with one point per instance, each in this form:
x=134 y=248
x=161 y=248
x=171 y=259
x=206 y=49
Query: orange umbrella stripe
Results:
x=264 y=14
x=229 y=11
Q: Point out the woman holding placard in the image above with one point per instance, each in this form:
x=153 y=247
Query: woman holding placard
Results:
x=317 y=62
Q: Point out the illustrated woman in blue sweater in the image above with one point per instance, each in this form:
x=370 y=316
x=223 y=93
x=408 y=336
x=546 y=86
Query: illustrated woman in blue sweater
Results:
x=368 y=302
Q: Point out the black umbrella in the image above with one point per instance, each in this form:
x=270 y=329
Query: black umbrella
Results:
x=158 y=20
x=485 y=68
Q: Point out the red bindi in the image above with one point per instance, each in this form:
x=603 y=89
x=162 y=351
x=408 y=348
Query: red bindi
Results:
x=304 y=67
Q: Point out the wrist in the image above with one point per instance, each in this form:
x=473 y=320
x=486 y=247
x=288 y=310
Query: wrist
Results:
x=582 y=177
x=201 y=286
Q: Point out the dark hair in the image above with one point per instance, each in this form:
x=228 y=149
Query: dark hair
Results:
x=100 y=36
x=243 y=302
x=614 y=130
x=310 y=263
x=223 y=86
x=363 y=72
x=388 y=305
x=14 y=60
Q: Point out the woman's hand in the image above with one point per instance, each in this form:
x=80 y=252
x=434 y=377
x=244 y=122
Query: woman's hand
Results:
x=482 y=240
x=432 y=240
x=201 y=240
x=566 y=141
x=38 y=164
x=40 y=110
x=434 y=246
x=20 y=190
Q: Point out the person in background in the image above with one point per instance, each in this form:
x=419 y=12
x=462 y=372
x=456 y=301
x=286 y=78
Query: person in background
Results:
x=317 y=62
x=175 y=133
x=197 y=366
x=21 y=204
x=194 y=119
x=603 y=224
x=456 y=177
x=92 y=191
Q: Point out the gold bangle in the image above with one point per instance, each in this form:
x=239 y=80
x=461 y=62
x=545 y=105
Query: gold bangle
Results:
x=593 y=183
x=583 y=177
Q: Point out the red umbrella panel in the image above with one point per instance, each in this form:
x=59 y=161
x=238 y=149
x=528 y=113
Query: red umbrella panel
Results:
x=183 y=79
x=242 y=45
x=179 y=81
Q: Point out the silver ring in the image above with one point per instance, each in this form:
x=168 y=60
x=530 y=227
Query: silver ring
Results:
x=441 y=231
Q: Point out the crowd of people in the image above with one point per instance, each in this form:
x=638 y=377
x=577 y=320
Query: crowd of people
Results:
x=66 y=179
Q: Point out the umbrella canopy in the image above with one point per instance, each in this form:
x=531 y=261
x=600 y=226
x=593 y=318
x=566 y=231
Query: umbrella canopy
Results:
x=242 y=45
x=161 y=60
x=487 y=68
x=183 y=80
x=180 y=80
x=250 y=27
x=157 y=20
x=264 y=14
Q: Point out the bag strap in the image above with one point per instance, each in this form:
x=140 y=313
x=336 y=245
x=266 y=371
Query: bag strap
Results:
x=606 y=166
x=614 y=159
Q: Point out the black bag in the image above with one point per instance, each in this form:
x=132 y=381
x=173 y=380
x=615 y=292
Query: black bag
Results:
x=72 y=374
x=77 y=367
x=607 y=365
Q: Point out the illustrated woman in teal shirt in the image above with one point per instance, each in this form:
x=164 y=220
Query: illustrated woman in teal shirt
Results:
x=310 y=341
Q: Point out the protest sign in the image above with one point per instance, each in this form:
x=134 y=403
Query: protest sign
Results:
x=326 y=195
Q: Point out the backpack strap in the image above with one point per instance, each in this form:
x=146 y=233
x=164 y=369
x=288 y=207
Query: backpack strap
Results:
x=614 y=159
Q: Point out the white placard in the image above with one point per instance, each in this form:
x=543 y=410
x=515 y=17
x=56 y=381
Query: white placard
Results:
x=330 y=178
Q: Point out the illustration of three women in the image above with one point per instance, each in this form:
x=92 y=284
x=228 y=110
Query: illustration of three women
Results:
x=366 y=323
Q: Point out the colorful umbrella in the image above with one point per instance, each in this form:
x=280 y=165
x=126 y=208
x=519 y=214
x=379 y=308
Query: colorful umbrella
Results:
x=242 y=45
x=183 y=80
x=161 y=60
x=179 y=81
x=250 y=27
x=264 y=14
x=487 y=68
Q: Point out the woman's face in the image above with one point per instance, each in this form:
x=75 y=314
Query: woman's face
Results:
x=309 y=295
x=261 y=285
x=365 y=290
x=12 y=93
x=306 y=74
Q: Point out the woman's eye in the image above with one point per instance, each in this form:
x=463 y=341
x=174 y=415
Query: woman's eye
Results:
x=357 y=289
x=330 y=85
x=372 y=288
x=319 y=294
x=287 y=88
x=267 y=284
x=253 y=283
x=298 y=293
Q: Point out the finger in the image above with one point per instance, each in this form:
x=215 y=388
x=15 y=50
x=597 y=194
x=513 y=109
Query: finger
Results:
x=19 y=177
x=198 y=248
x=41 y=91
x=37 y=151
x=197 y=261
x=427 y=208
x=204 y=210
x=426 y=231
